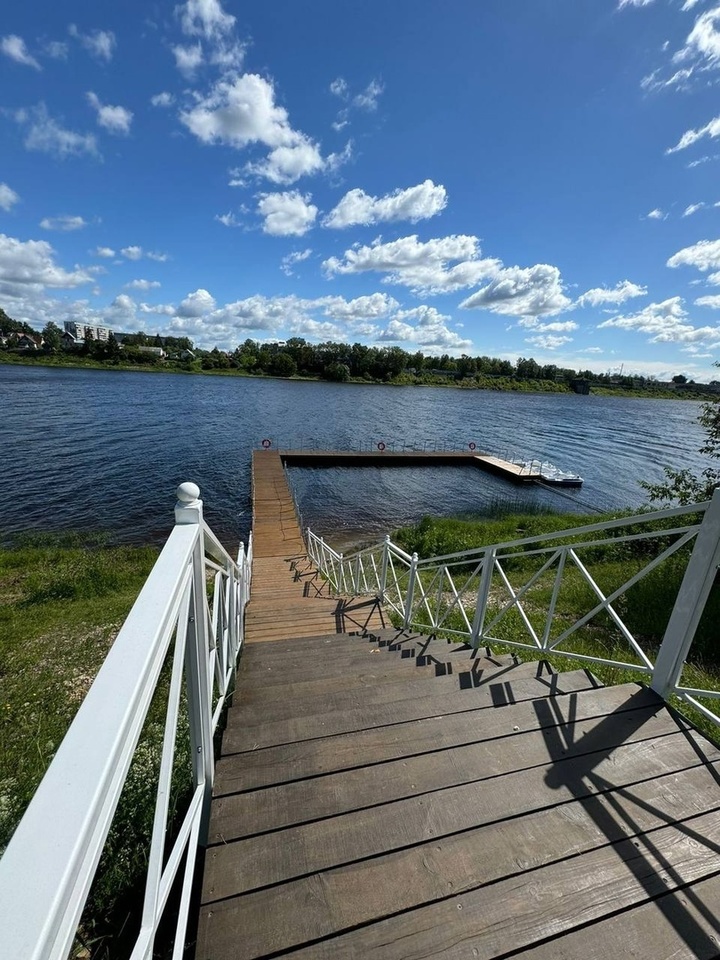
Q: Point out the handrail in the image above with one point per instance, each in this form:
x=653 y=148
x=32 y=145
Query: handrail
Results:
x=460 y=593
x=46 y=872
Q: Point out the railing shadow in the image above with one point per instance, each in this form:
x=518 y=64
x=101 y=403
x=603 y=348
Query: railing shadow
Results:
x=574 y=769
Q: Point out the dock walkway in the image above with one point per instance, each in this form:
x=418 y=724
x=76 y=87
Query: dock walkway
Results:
x=386 y=795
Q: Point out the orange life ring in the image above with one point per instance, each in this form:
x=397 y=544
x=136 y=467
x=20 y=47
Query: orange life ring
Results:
x=381 y=446
x=266 y=443
x=472 y=445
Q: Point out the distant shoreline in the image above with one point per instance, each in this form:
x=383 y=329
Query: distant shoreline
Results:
x=496 y=385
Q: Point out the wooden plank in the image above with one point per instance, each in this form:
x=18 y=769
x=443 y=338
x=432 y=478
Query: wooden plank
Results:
x=280 y=764
x=366 y=891
x=681 y=925
x=299 y=801
x=519 y=910
x=257 y=708
x=239 y=738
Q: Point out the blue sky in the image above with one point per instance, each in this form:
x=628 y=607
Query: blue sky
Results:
x=506 y=177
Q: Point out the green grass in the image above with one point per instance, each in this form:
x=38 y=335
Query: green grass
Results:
x=644 y=608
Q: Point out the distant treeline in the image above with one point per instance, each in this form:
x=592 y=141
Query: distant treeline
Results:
x=337 y=362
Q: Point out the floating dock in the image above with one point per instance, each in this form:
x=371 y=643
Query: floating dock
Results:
x=516 y=473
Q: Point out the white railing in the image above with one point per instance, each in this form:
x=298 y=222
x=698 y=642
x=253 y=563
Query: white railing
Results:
x=512 y=593
x=48 y=868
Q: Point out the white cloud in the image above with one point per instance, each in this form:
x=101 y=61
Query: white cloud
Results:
x=188 y=59
x=103 y=252
x=8 y=197
x=367 y=99
x=287 y=214
x=163 y=99
x=143 y=284
x=711 y=129
x=14 y=47
x=634 y=3
x=289 y=261
x=555 y=326
x=228 y=219
x=339 y=87
x=56 y=49
x=47 y=136
x=693 y=208
x=31 y=264
x=522 y=291
x=665 y=322
x=137 y=253
x=622 y=291
x=677 y=80
x=548 y=341
x=424 y=267
x=100 y=43
x=204 y=18
x=656 y=214
x=689 y=4
x=373 y=306
x=703 y=41
x=703 y=255
x=113 y=119
x=65 y=224
x=196 y=304
x=414 y=203
x=423 y=326
x=240 y=111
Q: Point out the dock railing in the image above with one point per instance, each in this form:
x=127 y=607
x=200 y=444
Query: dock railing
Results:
x=512 y=593
x=184 y=631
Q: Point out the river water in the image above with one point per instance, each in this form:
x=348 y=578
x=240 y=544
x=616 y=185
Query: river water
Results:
x=94 y=449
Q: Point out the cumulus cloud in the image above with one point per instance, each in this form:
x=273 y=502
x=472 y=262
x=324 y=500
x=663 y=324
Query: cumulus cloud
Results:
x=240 y=111
x=289 y=261
x=366 y=99
x=622 y=291
x=423 y=326
x=163 y=99
x=188 y=58
x=138 y=253
x=228 y=219
x=204 y=18
x=522 y=291
x=423 y=267
x=693 y=208
x=703 y=255
x=114 y=119
x=99 y=43
x=103 y=252
x=14 y=48
x=548 y=341
x=288 y=214
x=8 y=197
x=143 y=284
x=339 y=87
x=196 y=304
x=414 y=203
x=64 y=224
x=665 y=322
x=47 y=135
x=656 y=214
x=31 y=264
x=56 y=49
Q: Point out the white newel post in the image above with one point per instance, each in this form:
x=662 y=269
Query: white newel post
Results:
x=482 y=596
x=384 y=567
x=410 y=596
x=690 y=603
x=188 y=510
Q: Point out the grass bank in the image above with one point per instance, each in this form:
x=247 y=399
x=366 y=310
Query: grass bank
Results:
x=644 y=608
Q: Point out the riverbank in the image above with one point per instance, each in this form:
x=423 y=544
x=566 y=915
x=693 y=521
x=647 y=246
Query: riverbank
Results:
x=501 y=384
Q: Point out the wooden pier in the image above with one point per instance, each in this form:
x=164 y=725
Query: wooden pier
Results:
x=390 y=796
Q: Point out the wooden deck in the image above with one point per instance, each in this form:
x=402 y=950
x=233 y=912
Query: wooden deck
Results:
x=389 y=796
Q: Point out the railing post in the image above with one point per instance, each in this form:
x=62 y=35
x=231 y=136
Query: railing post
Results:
x=482 y=596
x=690 y=602
x=384 y=568
x=410 y=595
x=356 y=584
x=188 y=510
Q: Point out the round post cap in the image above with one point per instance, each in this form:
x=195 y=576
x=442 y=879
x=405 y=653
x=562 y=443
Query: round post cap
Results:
x=188 y=492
